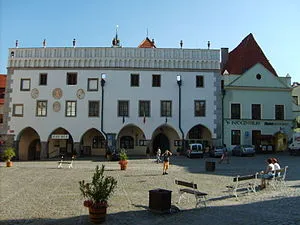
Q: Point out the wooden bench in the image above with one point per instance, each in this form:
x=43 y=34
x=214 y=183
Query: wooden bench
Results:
x=248 y=182
x=192 y=189
x=62 y=162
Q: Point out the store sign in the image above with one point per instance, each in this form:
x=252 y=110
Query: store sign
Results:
x=242 y=122
x=254 y=123
x=60 y=136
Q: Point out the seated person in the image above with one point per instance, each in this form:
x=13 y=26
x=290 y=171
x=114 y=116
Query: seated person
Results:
x=276 y=166
x=268 y=173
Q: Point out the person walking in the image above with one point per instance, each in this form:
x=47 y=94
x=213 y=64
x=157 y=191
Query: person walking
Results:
x=166 y=159
x=158 y=153
x=224 y=155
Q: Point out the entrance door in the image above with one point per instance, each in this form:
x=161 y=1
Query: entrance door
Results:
x=33 y=153
x=161 y=141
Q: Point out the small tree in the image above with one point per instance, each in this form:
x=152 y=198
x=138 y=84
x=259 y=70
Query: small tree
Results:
x=99 y=190
x=8 y=153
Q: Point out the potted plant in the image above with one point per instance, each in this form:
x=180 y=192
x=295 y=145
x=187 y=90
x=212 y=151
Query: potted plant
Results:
x=8 y=154
x=123 y=159
x=97 y=193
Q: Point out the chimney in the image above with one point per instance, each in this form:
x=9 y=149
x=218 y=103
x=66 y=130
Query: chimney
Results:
x=224 y=57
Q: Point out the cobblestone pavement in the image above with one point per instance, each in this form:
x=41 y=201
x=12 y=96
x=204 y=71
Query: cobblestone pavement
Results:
x=36 y=192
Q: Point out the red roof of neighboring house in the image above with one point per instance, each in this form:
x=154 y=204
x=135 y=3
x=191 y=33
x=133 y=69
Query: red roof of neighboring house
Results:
x=147 y=43
x=2 y=80
x=245 y=55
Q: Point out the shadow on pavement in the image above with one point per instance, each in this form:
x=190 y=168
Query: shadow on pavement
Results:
x=254 y=213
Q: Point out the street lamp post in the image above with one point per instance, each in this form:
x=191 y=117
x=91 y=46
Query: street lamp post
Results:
x=103 y=77
x=179 y=82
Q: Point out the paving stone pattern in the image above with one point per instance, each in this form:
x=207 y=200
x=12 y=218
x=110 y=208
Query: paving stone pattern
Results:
x=36 y=192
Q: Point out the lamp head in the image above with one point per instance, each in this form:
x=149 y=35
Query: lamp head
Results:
x=179 y=81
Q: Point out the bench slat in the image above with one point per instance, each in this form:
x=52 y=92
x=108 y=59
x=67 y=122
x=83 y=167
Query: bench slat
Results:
x=186 y=184
x=190 y=191
x=247 y=177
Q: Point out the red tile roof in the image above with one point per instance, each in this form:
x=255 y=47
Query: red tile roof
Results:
x=2 y=80
x=245 y=55
x=147 y=43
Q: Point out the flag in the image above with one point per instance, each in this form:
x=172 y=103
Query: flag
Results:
x=144 y=119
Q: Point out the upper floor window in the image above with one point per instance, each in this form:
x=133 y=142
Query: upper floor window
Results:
x=135 y=80
x=144 y=108
x=200 y=107
x=25 y=85
x=71 y=108
x=156 y=80
x=279 y=112
x=41 y=108
x=18 y=110
x=43 y=79
x=199 y=81
x=93 y=84
x=71 y=78
x=295 y=99
x=235 y=111
x=256 y=111
x=123 y=108
x=165 y=108
x=94 y=108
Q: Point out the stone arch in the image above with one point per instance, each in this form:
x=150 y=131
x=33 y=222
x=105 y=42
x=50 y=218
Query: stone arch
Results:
x=29 y=146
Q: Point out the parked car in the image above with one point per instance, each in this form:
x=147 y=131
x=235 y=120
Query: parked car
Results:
x=242 y=150
x=216 y=151
x=195 y=151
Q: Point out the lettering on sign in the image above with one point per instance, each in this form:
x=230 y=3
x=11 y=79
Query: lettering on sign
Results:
x=60 y=136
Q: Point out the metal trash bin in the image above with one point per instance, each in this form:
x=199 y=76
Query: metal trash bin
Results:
x=210 y=166
x=160 y=200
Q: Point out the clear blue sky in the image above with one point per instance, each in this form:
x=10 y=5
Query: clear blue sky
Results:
x=274 y=24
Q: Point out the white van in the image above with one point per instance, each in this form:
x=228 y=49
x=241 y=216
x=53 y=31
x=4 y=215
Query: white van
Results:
x=195 y=151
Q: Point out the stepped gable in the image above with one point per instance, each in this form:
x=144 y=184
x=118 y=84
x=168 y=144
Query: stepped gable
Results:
x=245 y=55
x=147 y=43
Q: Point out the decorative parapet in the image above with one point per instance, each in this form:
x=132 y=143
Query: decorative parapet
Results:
x=114 y=58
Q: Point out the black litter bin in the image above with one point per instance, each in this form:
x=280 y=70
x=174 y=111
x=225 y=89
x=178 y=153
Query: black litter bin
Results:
x=210 y=165
x=160 y=200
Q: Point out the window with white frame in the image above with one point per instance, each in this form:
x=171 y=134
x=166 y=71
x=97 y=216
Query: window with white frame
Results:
x=235 y=111
x=18 y=110
x=25 y=85
x=71 y=108
x=123 y=108
x=41 y=108
x=200 y=108
x=94 y=108
x=165 y=108
x=93 y=84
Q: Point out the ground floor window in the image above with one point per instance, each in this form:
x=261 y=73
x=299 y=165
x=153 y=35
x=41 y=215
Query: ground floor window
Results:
x=256 y=137
x=126 y=142
x=98 y=142
x=235 y=137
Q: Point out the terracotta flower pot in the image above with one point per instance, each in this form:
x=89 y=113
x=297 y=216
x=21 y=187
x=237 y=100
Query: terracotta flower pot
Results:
x=9 y=163
x=123 y=164
x=97 y=215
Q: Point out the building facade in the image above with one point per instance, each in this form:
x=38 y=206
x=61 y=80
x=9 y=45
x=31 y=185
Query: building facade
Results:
x=257 y=102
x=83 y=100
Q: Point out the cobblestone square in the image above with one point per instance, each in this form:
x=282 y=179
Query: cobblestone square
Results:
x=36 y=192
